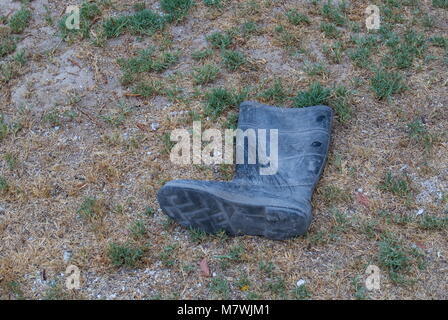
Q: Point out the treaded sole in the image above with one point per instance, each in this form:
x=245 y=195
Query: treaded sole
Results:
x=204 y=210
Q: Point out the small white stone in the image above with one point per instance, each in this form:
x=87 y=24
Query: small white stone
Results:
x=214 y=274
x=155 y=126
x=300 y=283
x=151 y=272
x=67 y=256
x=420 y=211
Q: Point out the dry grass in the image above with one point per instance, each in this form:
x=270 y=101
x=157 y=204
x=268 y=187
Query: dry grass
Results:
x=73 y=144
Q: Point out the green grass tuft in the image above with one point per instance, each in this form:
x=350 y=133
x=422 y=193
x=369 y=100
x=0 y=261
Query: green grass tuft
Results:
x=315 y=95
x=4 y=129
x=275 y=94
x=146 y=61
x=360 y=55
x=232 y=59
x=144 y=22
x=176 y=10
x=440 y=4
x=7 y=45
x=334 y=13
x=433 y=223
x=205 y=74
x=330 y=30
x=147 y=90
x=220 y=99
x=420 y=135
x=439 y=41
x=297 y=18
x=399 y=186
x=220 y=40
x=301 y=293
x=337 y=98
x=384 y=83
x=4 y=186
x=90 y=209
x=20 y=20
x=137 y=229
x=125 y=255
x=334 y=51
x=216 y=3
x=397 y=259
x=202 y=54
x=220 y=287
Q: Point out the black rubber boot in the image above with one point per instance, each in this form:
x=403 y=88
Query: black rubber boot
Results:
x=276 y=206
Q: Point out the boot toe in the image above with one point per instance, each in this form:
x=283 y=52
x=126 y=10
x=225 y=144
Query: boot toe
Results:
x=206 y=206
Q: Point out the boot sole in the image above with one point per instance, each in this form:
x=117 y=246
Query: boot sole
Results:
x=201 y=209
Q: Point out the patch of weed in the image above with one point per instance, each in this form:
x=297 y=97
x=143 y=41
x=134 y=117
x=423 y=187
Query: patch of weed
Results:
x=266 y=267
x=315 y=69
x=7 y=45
x=124 y=255
x=275 y=94
x=233 y=59
x=399 y=186
x=11 y=160
x=397 y=259
x=144 y=22
x=220 y=99
x=4 y=186
x=288 y=40
x=433 y=223
x=439 y=41
x=232 y=121
x=334 y=194
x=330 y=30
x=216 y=3
x=315 y=95
x=420 y=135
x=248 y=28
x=197 y=235
x=91 y=209
x=385 y=83
x=20 y=20
x=296 y=18
x=301 y=292
x=4 y=128
x=137 y=230
x=147 y=90
x=176 y=10
x=55 y=292
x=205 y=74
x=167 y=143
x=202 y=54
x=167 y=256
x=220 y=287
x=278 y=287
x=146 y=61
x=334 y=13
x=440 y=4
x=359 y=287
x=220 y=40
x=149 y=211
x=334 y=52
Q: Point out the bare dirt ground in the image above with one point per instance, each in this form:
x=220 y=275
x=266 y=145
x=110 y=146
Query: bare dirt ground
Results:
x=73 y=131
